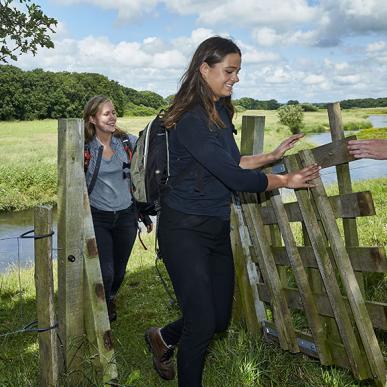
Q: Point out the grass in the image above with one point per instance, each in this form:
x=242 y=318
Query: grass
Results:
x=235 y=360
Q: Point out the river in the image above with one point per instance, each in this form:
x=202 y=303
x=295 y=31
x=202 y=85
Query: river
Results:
x=15 y=251
x=359 y=169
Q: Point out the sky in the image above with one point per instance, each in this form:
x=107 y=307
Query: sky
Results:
x=310 y=51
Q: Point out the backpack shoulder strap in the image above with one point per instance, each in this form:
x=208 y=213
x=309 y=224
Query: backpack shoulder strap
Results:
x=87 y=158
x=127 y=146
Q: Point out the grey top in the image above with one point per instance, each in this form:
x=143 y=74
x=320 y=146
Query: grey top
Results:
x=111 y=191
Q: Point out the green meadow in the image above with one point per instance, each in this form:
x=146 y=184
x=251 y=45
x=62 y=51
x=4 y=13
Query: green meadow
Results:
x=28 y=177
x=28 y=151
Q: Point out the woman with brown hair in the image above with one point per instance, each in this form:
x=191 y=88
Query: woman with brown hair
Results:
x=194 y=228
x=114 y=214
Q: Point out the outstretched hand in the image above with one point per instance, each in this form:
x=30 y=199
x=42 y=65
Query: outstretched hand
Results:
x=301 y=178
x=285 y=145
x=370 y=149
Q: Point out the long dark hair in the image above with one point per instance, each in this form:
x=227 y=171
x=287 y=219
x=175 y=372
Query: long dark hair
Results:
x=90 y=110
x=194 y=89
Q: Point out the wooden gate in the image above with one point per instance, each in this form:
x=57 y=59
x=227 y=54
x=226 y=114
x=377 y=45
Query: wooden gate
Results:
x=319 y=280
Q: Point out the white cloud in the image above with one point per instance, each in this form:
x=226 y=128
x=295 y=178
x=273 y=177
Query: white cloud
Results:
x=314 y=79
x=376 y=47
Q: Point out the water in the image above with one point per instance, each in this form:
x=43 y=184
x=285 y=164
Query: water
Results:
x=15 y=251
x=378 y=120
x=359 y=169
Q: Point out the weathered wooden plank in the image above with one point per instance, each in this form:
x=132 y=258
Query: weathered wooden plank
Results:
x=350 y=205
x=45 y=309
x=70 y=237
x=281 y=313
x=334 y=153
x=246 y=272
x=365 y=259
x=300 y=274
x=96 y=315
x=344 y=182
x=376 y=310
x=327 y=155
x=252 y=134
x=358 y=366
x=347 y=274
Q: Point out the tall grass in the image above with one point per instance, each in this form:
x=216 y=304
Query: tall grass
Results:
x=234 y=360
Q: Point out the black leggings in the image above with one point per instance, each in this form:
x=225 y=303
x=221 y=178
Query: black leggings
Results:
x=198 y=257
x=115 y=233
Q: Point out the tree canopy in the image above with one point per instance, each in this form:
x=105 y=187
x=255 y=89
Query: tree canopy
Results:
x=23 y=28
x=40 y=94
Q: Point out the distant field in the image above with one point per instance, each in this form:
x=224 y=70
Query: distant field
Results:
x=28 y=151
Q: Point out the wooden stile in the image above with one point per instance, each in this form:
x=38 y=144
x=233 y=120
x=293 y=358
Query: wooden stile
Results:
x=281 y=312
x=342 y=324
x=359 y=368
x=356 y=300
x=300 y=274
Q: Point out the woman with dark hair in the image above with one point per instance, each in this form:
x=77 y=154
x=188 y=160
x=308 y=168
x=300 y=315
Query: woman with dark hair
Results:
x=194 y=232
x=114 y=214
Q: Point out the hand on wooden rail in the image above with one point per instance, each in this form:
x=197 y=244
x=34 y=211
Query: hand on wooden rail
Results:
x=369 y=149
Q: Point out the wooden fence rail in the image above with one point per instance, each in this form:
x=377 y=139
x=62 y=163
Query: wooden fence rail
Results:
x=328 y=268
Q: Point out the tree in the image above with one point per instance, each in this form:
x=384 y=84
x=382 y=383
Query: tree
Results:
x=22 y=31
x=291 y=116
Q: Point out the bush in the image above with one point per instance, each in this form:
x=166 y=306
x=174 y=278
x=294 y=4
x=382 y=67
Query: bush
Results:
x=139 y=110
x=307 y=107
x=291 y=116
x=357 y=125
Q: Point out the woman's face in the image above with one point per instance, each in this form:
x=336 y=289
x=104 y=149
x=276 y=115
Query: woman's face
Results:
x=222 y=76
x=105 y=119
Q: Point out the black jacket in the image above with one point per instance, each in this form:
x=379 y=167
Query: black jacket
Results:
x=213 y=158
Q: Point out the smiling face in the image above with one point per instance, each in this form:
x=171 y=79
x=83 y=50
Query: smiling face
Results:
x=105 y=119
x=222 y=76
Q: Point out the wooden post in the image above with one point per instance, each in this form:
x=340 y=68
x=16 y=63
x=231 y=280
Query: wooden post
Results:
x=70 y=244
x=247 y=275
x=44 y=284
x=344 y=182
x=96 y=315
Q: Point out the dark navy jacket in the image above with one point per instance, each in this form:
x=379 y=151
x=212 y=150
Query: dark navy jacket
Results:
x=212 y=157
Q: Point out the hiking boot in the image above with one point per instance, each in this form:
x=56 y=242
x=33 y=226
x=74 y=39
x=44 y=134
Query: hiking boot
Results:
x=112 y=310
x=162 y=354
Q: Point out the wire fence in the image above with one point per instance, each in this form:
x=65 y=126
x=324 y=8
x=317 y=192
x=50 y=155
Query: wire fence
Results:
x=31 y=327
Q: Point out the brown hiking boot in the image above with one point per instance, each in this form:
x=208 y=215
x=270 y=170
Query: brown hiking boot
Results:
x=162 y=354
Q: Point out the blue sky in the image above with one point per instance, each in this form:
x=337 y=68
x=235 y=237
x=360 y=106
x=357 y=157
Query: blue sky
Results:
x=316 y=51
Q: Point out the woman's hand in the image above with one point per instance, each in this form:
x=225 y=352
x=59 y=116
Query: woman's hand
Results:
x=301 y=178
x=297 y=179
x=285 y=145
